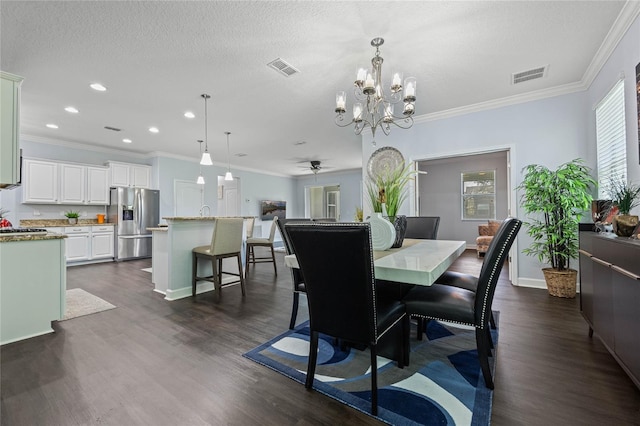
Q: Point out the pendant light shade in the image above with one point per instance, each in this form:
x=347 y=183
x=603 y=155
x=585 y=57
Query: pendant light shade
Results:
x=200 y=180
x=206 y=157
x=228 y=175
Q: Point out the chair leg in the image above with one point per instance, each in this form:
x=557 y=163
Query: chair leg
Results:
x=247 y=259
x=313 y=357
x=406 y=332
x=492 y=321
x=421 y=328
x=294 y=310
x=194 y=273
x=273 y=258
x=216 y=277
x=374 y=379
x=483 y=356
x=241 y=276
x=490 y=340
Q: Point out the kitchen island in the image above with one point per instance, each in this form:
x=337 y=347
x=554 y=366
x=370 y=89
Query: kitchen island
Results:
x=171 y=257
x=33 y=282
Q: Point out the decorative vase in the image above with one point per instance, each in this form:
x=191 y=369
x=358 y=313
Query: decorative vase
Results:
x=561 y=283
x=400 y=225
x=624 y=224
x=383 y=234
x=73 y=220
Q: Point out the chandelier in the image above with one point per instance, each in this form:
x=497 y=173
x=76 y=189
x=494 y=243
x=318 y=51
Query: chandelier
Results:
x=373 y=107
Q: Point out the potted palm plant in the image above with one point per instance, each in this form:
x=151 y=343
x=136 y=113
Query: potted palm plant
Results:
x=624 y=196
x=554 y=201
x=387 y=192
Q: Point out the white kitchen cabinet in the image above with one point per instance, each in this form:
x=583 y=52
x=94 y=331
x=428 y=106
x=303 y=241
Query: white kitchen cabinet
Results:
x=51 y=182
x=40 y=179
x=97 y=185
x=78 y=243
x=131 y=175
x=9 y=128
x=102 y=244
x=72 y=183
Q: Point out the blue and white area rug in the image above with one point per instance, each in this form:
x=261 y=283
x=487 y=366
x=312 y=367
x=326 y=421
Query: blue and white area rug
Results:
x=443 y=385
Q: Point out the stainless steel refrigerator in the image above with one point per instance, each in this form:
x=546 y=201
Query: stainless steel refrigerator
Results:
x=133 y=210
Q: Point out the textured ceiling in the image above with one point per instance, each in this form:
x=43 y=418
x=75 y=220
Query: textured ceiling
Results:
x=156 y=58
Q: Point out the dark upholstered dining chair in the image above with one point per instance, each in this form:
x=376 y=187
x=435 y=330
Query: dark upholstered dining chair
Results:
x=336 y=260
x=422 y=227
x=296 y=274
x=467 y=307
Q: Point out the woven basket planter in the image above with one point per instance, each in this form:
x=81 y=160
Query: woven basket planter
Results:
x=561 y=283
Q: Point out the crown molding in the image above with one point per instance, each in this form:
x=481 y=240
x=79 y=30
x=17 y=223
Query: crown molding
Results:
x=83 y=146
x=503 y=102
x=625 y=19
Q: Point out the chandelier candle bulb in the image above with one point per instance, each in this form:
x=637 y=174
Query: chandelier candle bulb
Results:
x=361 y=75
x=369 y=85
x=357 y=112
x=410 y=89
x=341 y=102
x=396 y=83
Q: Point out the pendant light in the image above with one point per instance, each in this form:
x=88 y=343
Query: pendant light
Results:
x=228 y=175
x=200 y=180
x=206 y=157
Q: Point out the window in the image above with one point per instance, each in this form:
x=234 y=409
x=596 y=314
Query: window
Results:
x=611 y=139
x=479 y=195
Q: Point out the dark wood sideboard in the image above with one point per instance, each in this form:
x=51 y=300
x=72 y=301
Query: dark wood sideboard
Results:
x=610 y=294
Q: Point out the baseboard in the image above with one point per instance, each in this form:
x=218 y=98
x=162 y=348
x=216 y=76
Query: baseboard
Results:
x=201 y=287
x=537 y=283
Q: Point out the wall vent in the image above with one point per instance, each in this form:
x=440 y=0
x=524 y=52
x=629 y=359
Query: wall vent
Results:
x=532 y=74
x=283 y=67
x=115 y=129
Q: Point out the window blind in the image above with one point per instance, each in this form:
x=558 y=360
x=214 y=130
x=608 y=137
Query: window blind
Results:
x=611 y=139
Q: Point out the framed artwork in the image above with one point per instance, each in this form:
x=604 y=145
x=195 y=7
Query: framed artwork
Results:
x=638 y=100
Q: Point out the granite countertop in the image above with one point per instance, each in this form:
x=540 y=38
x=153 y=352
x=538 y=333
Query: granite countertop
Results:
x=159 y=228
x=43 y=223
x=49 y=236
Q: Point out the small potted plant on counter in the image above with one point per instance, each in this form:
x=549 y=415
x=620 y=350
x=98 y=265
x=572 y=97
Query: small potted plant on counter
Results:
x=4 y=222
x=624 y=196
x=72 y=216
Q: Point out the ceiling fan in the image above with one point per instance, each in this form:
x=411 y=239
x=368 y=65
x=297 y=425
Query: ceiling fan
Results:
x=314 y=165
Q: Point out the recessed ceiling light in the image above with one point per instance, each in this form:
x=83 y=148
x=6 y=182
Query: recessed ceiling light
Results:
x=154 y=129
x=97 y=86
x=72 y=110
x=52 y=126
x=189 y=114
x=126 y=140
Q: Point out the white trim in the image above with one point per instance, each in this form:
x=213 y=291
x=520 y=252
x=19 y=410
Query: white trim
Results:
x=531 y=283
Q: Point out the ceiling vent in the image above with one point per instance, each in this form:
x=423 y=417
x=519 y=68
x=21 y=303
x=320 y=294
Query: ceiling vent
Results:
x=115 y=129
x=521 y=77
x=283 y=67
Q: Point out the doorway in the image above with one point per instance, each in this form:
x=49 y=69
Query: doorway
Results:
x=322 y=202
x=228 y=194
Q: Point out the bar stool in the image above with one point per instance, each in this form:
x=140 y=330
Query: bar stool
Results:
x=250 y=256
x=226 y=241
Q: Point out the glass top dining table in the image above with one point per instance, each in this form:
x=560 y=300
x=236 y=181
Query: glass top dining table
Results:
x=418 y=262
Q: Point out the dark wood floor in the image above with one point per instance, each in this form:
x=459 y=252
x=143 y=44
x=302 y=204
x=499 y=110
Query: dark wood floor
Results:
x=152 y=362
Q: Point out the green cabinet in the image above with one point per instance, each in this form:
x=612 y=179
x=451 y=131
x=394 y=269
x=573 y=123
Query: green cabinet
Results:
x=9 y=129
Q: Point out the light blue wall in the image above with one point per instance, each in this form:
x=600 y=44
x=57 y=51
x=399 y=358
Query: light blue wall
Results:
x=165 y=170
x=549 y=132
x=622 y=61
x=350 y=191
